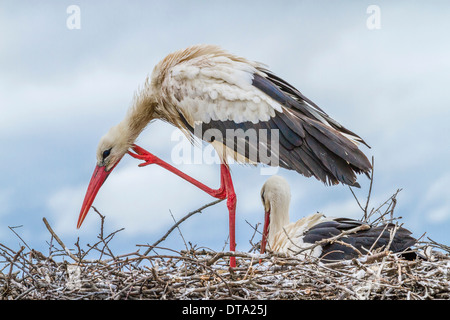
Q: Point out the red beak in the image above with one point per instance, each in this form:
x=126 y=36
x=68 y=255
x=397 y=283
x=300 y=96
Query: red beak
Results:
x=97 y=180
x=265 y=231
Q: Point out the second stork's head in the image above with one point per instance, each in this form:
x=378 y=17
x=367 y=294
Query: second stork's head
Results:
x=276 y=197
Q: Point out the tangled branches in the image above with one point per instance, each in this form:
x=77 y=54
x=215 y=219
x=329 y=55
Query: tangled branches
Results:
x=204 y=274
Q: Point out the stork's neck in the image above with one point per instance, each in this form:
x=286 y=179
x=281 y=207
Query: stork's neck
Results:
x=279 y=217
x=139 y=115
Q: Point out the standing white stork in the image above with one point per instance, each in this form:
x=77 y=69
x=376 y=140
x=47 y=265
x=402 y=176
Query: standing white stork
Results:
x=298 y=238
x=204 y=88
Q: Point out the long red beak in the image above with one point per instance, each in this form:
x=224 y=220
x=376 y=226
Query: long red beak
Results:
x=97 y=180
x=265 y=231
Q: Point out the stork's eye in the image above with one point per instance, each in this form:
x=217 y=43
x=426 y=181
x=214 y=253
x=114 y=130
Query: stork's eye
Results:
x=106 y=153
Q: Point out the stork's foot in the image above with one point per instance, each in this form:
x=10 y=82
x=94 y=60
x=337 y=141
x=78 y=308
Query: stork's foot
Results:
x=143 y=154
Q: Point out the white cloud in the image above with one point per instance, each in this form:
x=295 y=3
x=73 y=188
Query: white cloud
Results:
x=436 y=201
x=347 y=208
x=5 y=200
x=439 y=214
x=56 y=104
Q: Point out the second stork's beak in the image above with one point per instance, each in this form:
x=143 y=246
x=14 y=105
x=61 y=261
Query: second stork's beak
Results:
x=97 y=180
x=265 y=231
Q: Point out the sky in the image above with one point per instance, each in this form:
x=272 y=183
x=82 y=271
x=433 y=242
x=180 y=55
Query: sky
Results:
x=380 y=68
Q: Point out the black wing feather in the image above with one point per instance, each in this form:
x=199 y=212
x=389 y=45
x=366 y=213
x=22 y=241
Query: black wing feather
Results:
x=306 y=145
x=375 y=237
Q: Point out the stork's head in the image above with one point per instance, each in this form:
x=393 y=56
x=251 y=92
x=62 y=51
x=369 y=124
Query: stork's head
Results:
x=276 y=197
x=111 y=148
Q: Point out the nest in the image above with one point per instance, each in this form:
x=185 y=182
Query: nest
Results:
x=204 y=274
x=196 y=273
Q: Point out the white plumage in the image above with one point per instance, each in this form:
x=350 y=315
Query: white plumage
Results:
x=284 y=236
x=218 y=88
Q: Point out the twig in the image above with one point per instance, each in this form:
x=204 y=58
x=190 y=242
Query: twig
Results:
x=179 y=230
x=255 y=231
x=11 y=269
x=101 y=237
x=102 y=218
x=54 y=235
x=177 y=224
x=370 y=189
x=439 y=245
x=12 y=229
x=388 y=210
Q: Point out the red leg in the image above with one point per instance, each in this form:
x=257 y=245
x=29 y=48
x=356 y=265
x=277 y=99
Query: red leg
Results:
x=231 y=205
x=149 y=158
x=226 y=189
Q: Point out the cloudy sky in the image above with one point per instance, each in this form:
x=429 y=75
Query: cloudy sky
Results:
x=65 y=82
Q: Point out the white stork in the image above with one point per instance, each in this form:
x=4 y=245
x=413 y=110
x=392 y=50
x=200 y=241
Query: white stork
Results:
x=298 y=238
x=204 y=88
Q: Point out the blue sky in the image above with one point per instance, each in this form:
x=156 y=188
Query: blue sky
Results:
x=62 y=89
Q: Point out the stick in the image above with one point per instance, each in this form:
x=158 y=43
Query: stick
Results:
x=370 y=190
x=177 y=224
x=59 y=240
x=179 y=230
x=12 y=229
